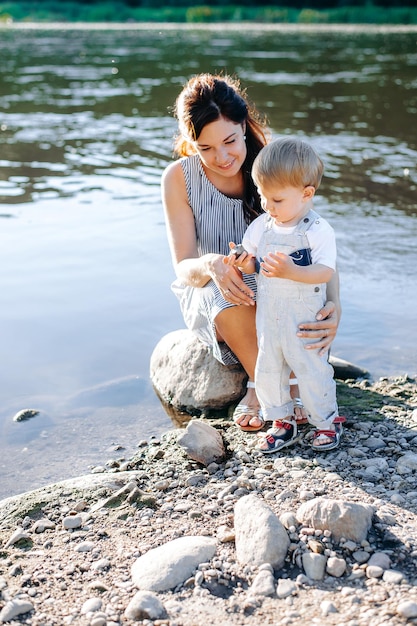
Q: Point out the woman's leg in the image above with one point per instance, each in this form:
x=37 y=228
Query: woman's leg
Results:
x=236 y=326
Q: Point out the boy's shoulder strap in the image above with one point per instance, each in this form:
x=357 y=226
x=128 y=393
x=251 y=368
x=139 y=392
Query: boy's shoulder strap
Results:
x=307 y=221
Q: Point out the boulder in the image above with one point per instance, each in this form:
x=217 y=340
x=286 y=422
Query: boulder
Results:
x=186 y=375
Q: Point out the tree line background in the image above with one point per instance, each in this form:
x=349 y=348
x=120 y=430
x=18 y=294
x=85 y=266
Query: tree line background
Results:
x=313 y=11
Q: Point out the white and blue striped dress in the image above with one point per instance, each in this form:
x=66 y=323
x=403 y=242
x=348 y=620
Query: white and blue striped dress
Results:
x=218 y=220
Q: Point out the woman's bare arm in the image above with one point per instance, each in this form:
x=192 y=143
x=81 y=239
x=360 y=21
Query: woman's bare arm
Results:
x=189 y=267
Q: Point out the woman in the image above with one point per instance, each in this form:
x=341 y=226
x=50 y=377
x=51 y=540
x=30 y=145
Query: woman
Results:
x=209 y=199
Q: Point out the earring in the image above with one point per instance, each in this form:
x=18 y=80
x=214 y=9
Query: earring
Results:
x=244 y=137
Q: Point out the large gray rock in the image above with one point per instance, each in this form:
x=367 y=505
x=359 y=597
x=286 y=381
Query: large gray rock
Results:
x=351 y=520
x=171 y=564
x=260 y=536
x=186 y=375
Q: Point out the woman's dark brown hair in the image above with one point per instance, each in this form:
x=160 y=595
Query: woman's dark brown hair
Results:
x=206 y=98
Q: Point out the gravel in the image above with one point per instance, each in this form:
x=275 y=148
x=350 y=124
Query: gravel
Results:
x=67 y=550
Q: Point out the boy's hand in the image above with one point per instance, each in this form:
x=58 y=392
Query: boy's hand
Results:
x=277 y=265
x=239 y=258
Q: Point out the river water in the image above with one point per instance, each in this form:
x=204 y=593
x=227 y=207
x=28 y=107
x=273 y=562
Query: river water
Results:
x=86 y=130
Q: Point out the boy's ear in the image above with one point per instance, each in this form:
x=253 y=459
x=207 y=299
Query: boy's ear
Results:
x=309 y=192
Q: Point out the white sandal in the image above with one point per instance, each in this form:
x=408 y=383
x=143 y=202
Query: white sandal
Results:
x=298 y=404
x=250 y=411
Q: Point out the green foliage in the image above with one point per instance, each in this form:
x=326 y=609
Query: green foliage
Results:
x=310 y=16
x=357 y=12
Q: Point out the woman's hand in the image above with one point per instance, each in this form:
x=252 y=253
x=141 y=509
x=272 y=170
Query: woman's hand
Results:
x=324 y=329
x=228 y=279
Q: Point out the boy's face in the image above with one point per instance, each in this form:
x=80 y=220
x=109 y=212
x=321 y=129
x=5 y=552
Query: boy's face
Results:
x=286 y=205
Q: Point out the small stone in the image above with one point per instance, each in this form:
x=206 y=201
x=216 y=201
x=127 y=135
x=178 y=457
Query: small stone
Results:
x=314 y=565
x=361 y=556
x=91 y=606
x=392 y=577
x=285 y=588
x=25 y=414
x=145 y=605
x=374 y=571
x=13 y=608
x=84 y=546
x=263 y=584
x=72 y=521
x=43 y=524
x=335 y=566
x=407 y=609
x=225 y=534
x=18 y=535
x=327 y=607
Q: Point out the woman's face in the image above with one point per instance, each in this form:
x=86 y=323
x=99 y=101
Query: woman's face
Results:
x=221 y=147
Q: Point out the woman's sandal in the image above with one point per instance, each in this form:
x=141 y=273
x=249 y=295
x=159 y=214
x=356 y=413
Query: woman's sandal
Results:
x=334 y=435
x=298 y=406
x=276 y=442
x=250 y=411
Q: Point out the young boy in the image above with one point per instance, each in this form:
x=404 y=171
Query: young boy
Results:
x=294 y=251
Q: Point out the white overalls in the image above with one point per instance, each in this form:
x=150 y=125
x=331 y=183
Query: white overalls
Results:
x=282 y=305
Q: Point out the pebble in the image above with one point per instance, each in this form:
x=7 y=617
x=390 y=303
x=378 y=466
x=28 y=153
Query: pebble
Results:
x=25 y=414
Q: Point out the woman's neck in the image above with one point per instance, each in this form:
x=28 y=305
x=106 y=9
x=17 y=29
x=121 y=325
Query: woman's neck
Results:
x=232 y=187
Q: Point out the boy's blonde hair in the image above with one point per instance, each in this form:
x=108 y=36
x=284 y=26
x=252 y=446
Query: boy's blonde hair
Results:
x=288 y=162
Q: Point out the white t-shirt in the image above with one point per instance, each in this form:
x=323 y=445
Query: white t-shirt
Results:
x=320 y=236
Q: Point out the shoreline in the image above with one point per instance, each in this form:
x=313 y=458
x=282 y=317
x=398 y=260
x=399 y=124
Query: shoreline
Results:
x=214 y=26
x=68 y=549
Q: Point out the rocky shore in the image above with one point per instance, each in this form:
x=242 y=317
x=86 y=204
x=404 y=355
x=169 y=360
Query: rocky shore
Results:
x=234 y=538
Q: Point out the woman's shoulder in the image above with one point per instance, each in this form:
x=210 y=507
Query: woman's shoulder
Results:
x=177 y=168
x=173 y=173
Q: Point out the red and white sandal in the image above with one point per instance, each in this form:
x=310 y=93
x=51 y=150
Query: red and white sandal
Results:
x=276 y=440
x=333 y=435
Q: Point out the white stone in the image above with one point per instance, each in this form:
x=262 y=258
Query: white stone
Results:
x=374 y=571
x=202 y=442
x=335 y=566
x=407 y=463
x=91 y=606
x=314 y=565
x=17 y=536
x=327 y=607
x=285 y=588
x=172 y=563
x=393 y=577
x=13 y=608
x=145 y=605
x=407 y=609
x=260 y=536
x=351 y=520
x=263 y=584
x=72 y=521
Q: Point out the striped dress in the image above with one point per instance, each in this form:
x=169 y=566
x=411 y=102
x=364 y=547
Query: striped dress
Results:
x=218 y=220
